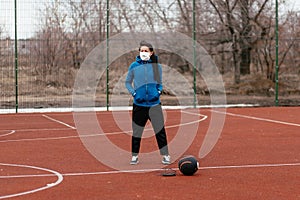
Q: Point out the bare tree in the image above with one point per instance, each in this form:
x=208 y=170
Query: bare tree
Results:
x=123 y=17
x=245 y=38
x=229 y=19
x=263 y=44
x=291 y=40
x=241 y=28
x=245 y=21
x=50 y=45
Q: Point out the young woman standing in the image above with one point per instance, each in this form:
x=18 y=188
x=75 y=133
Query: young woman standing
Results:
x=144 y=83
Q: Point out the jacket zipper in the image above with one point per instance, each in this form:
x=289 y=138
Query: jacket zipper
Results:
x=146 y=80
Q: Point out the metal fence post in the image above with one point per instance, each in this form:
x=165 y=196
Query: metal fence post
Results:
x=277 y=46
x=16 y=59
x=107 y=55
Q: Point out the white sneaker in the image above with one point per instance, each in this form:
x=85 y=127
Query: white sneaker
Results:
x=166 y=160
x=134 y=160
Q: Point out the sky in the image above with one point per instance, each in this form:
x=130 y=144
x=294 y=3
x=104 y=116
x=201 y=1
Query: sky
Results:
x=28 y=15
x=293 y=4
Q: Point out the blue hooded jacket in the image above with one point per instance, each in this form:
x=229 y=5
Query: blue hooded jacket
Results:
x=145 y=89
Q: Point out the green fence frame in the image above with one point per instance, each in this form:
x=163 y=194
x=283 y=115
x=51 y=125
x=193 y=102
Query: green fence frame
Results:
x=107 y=52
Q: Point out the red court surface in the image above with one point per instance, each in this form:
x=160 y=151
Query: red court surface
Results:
x=257 y=156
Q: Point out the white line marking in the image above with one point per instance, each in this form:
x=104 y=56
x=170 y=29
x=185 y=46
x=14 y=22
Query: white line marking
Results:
x=49 y=185
x=189 y=123
x=201 y=168
x=40 y=129
x=60 y=122
x=153 y=170
x=116 y=108
x=258 y=118
x=253 y=166
x=60 y=138
x=7 y=134
x=204 y=117
x=39 y=139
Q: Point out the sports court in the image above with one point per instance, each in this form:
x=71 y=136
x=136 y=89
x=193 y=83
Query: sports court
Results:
x=257 y=156
x=225 y=61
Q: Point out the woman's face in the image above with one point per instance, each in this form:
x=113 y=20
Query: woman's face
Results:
x=145 y=49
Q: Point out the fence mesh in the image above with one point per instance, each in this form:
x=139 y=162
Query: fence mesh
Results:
x=40 y=61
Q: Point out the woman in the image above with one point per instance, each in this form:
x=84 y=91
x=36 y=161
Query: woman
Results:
x=144 y=82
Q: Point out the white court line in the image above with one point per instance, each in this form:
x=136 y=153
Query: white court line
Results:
x=204 y=117
x=115 y=108
x=39 y=139
x=200 y=168
x=60 y=138
x=60 y=122
x=192 y=122
x=258 y=118
x=39 y=129
x=7 y=134
x=49 y=185
x=153 y=170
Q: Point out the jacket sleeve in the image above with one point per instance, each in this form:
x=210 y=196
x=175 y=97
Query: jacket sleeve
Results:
x=129 y=80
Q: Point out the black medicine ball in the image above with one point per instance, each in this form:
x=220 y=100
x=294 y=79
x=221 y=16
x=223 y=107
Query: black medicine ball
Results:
x=188 y=165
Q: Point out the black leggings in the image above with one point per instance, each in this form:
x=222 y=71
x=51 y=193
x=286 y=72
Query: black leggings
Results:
x=140 y=116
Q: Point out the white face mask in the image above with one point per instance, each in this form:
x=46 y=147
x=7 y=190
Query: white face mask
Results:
x=145 y=56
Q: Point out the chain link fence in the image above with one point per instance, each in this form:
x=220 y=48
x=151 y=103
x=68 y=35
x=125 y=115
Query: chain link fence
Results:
x=45 y=42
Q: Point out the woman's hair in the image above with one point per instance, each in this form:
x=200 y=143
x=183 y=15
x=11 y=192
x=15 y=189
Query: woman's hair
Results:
x=153 y=58
x=147 y=44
